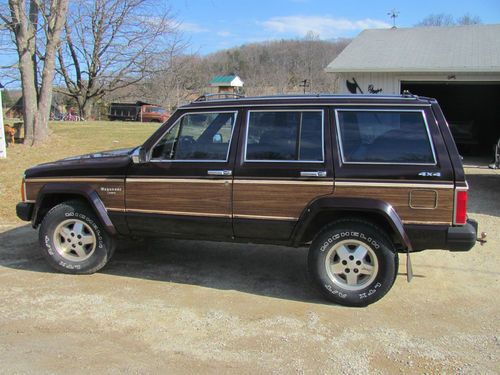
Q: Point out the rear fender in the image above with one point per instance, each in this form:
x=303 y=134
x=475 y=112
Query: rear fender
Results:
x=350 y=205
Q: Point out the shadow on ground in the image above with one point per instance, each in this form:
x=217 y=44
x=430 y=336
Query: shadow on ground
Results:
x=272 y=271
x=484 y=194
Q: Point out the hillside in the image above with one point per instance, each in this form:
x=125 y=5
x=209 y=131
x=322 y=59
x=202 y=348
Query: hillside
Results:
x=273 y=67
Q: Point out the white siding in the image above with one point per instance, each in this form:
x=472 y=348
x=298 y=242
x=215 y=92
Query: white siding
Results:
x=390 y=83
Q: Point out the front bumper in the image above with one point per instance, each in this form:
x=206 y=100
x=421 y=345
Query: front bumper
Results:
x=24 y=210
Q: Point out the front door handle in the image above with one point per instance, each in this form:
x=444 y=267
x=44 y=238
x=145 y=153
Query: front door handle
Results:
x=220 y=172
x=313 y=174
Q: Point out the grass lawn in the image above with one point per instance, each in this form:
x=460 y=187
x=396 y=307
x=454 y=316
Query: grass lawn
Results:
x=67 y=139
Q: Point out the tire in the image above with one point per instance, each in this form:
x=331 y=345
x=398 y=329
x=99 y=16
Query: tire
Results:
x=61 y=231
x=353 y=263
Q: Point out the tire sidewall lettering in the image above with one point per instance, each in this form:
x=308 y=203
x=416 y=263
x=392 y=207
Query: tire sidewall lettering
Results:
x=349 y=234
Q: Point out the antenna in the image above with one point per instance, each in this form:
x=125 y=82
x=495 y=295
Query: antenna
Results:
x=393 y=14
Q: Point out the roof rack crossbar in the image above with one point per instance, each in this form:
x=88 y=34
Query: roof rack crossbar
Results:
x=220 y=95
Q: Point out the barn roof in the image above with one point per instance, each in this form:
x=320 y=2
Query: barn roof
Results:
x=472 y=48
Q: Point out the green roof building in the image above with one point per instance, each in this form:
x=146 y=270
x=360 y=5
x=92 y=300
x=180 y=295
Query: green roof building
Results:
x=226 y=83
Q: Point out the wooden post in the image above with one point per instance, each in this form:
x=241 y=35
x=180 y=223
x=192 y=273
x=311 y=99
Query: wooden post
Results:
x=3 y=147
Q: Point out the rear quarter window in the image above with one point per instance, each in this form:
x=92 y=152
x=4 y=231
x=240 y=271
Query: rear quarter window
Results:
x=385 y=137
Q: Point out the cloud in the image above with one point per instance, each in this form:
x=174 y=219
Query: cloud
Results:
x=224 y=34
x=325 y=26
x=191 y=27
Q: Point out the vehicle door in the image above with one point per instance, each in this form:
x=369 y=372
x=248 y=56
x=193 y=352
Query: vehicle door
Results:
x=284 y=164
x=185 y=187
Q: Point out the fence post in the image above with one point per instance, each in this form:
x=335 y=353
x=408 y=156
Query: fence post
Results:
x=3 y=147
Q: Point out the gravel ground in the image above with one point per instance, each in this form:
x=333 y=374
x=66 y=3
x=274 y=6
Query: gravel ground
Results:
x=170 y=306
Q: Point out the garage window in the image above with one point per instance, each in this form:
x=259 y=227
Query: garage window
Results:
x=295 y=136
x=384 y=137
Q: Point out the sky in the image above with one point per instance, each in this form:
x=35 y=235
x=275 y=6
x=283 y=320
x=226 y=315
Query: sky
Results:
x=211 y=25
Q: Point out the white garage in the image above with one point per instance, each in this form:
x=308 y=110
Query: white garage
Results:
x=459 y=66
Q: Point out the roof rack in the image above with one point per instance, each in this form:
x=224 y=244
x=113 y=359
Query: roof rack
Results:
x=408 y=94
x=220 y=95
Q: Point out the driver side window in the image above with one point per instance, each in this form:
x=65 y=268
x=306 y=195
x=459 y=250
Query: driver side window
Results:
x=197 y=136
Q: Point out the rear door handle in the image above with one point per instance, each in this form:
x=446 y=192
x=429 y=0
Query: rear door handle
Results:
x=313 y=174
x=220 y=172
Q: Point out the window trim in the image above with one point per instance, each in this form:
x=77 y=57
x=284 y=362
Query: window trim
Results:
x=340 y=142
x=194 y=160
x=322 y=161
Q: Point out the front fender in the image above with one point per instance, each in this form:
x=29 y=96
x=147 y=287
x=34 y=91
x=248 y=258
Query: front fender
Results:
x=78 y=189
x=354 y=205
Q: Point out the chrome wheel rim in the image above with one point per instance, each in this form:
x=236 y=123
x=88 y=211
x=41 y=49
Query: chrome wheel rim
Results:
x=74 y=240
x=351 y=264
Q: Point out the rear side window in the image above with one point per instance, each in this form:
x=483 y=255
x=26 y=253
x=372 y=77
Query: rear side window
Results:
x=285 y=136
x=392 y=137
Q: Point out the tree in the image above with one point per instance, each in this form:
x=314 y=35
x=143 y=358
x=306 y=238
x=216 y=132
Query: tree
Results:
x=443 y=19
x=7 y=100
x=35 y=27
x=468 y=19
x=109 y=45
x=266 y=68
x=183 y=81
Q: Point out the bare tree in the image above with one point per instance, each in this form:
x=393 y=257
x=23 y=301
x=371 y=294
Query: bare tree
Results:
x=266 y=68
x=468 y=19
x=35 y=27
x=440 y=19
x=182 y=81
x=113 y=44
x=443 y=19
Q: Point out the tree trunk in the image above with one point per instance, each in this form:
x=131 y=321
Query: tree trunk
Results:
x=87 y=109
x=25 y=29
x=29 y=96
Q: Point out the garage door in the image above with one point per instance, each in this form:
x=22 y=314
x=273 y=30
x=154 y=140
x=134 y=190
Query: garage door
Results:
x=471 y=108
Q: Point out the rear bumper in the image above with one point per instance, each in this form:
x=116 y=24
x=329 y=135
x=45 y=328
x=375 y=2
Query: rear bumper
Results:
x=24 y=210
x=460 y=238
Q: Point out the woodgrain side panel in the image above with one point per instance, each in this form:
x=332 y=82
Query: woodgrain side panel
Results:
x=399 y=198
x=169 y=196
x=275 y=200
x=111 y=192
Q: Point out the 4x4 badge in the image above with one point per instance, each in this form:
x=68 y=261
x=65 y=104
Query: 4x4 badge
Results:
x=430 y=174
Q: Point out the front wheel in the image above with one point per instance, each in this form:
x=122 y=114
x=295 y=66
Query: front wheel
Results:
x=73 y=240
x=353 y=263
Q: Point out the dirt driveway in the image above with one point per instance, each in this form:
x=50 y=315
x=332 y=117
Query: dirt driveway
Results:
x=197 y=307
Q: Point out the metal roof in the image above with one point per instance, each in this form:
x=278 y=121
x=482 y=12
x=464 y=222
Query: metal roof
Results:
x=230 y=80
x=472 y=48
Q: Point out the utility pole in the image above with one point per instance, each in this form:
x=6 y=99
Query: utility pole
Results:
x=393 y=14
x=305 y=84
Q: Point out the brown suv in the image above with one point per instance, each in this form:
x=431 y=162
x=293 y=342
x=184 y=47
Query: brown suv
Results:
x=357 y=179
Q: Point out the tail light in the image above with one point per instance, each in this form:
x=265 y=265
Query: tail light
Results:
x=460 y=206
x=23 y=190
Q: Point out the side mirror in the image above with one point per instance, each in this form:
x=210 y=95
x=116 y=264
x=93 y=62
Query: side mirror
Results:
x=217 y=138
x=139 y=156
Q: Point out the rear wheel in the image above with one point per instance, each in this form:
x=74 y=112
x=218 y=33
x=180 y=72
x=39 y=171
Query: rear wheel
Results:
x=353 y=263
x=73 y=240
